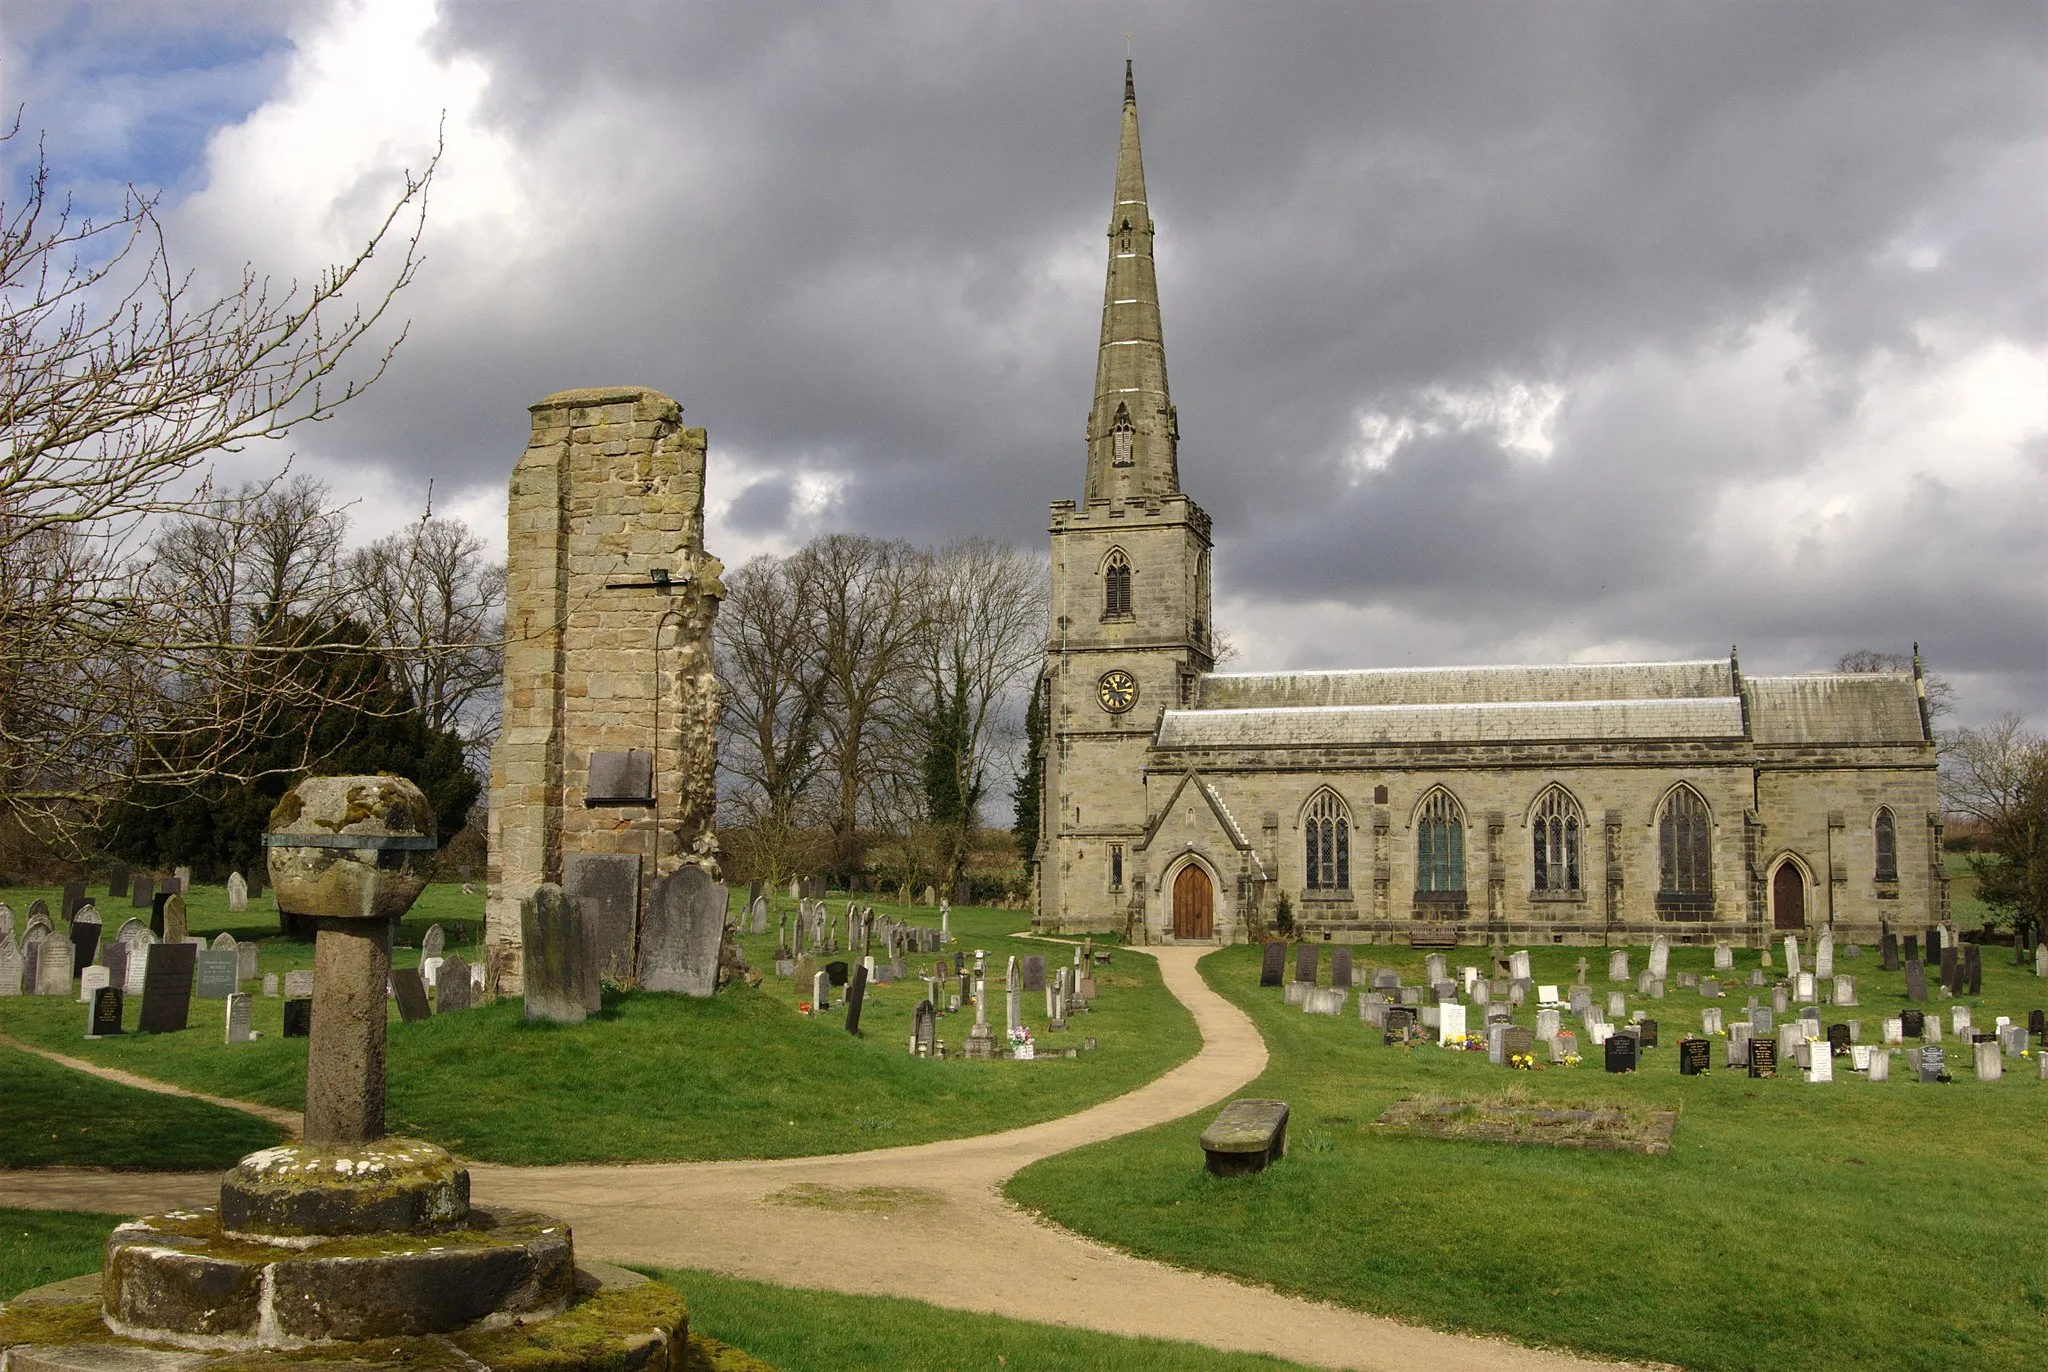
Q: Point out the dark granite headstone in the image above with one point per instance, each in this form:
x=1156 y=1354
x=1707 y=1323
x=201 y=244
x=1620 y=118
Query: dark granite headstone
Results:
x=254 y=876
x=835 y=972
x=1621 y=1053
x=1646 y=1034
x=74 y=896
x=1916 y=979
x=1932 y=943
x=1838 y=1040
x=219 y=972
x=1890 y=948
x=924 y=1029
x=1305 y=963
x=453 y=989
x=855 y=994
x=1912 y=947
x=1694 y=1056
x=1933 y=1065
x=1034 y=973
x=2037 y=1021
x=682 y=933
x=117 y=882
x=114 y=957
x=410 y=990
x=1973 y=969
x=85 y=939
x=1912 y=1023
x=1397 y=1023
x=106 y=1013
x=298 y=1017
x=167 y=988
x=1763 y=1057
x=607 y=885
x=558 y=956
x=1951 y=970
x=1272 y=963
x=1340 y=967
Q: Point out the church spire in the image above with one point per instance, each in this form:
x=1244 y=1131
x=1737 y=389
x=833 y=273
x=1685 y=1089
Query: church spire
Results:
x=1132 y=430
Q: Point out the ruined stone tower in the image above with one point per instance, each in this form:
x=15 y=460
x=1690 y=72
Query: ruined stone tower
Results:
x=604 y=779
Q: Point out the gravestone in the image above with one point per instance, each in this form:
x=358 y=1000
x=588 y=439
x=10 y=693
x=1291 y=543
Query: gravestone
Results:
x=1820 y=1065
x=855 y=995
x=167 y=988
x=2041 y=963
x=142 y=895
x=1710 y=989
x=247 y=955
x=559 y=961
x=1305 y=963
x=1435 y=967
x=91 y=979
x=1960 y=1021
x=255 y=878
x=606 y=887
x=1518 y=965
x=270 y=986
x=1838 y=1040
x=1450 y=1021
x=298 y=1018
x=1724 y=957
x=1973 y=968
x=2037 y=1022
x=1804 y=987
x=1617 y=965
x=1763 y=1057
x=1844 y=990
x=1617 y=1005
x=1565 y=1045
x=821 y=992
x=1340 y=967
x=1710 y=1020
x=1694 y=1056
x=1916 y=979
x=1034 y=973
x=757 y=915
x=1517 y=1041
x=1879 y=1068
x=924 y=1030
x=1888 y=948
x=1951 y=970
x=1548 y=1022
x=1738 y=1045
x=117 y=882
x=1621 y=1053
x=680 y=938
x=409 y=989
x=1399 y=1020
x=1824 y=955
x=53 y=970
x=1660 y=957
x=175 y=929
x=1791 y=955
x=434 y=943
x=85 y=934
x=453 y=989
x=1933 y=1065
x=104 y=1021
x=1646 y=1033
x=239 y=1009
x=217 y=969
x=298 y=984
x=238 y=895
x=115 y=956
x=837 y=973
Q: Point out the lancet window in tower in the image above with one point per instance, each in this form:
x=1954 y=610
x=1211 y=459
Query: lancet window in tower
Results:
x=1327 y=843
x=1116 y=585
x=1556 y=834
x=1121 y=435
x=1440 y=844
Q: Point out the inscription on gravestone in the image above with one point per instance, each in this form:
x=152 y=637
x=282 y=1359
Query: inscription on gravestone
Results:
x=1272 y=963
x=238 y=1012
x=607 y=887
x=167 y=988
x=1693 y=1056
x=106 y=1012
x=1621 y=1053
x=1763 y=1057
x=217 y=970
x=681 y=936
x=1916 y=979
x=298 y=1017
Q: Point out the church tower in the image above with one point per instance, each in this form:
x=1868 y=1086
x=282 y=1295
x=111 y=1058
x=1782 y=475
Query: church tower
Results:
x=1130 y=591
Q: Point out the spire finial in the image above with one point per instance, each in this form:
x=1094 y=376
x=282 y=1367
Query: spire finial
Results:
x=1130 y=84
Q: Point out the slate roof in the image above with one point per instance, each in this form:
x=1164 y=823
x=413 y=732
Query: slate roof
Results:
x=1859 y=707
x=1509 y=722
x=1589 y=682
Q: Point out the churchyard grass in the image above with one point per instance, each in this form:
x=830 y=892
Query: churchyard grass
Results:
x=42 y=1246
x=817 y=1331
x=1851 y=1224
x=662 y=1077
x=56 y=1117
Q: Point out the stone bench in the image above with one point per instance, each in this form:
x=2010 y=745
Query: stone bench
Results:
x=1434 y=936
x=1245 y=1136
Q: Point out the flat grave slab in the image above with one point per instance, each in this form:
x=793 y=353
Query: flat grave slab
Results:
x=1600 y=1128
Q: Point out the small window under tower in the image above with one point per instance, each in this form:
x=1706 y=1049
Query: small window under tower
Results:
x=1121 y=435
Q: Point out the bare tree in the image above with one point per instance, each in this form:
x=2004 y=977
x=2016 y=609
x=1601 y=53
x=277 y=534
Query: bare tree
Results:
x=1985 y=772
x=1940 y=694
x=771 y=723
x=120 y=381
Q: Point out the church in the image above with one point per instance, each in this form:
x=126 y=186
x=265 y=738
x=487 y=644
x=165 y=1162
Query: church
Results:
x=1583 y=803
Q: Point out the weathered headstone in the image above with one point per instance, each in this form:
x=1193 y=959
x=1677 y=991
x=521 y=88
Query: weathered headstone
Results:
x=117 y=882
x=682 y=933
x=434 y=943
x=298 y=1018
x=1973 y=969
x=238 y=894
x=298 y=984
x=1660 y=957
x=1034 y=973
x=1340 y=967
x=757 y=915
x=924 y=1030
x=1879 y=1067
x=1844 y=990
x=270 y=986
x=217 y=973
x=558 y=957
x=409 y=989
x=142 y=895
x=1518 y=965
x=1824 y=955
x=1617 y=965
x=606 y=887
x=239 y=1009
x=856 y=993
x=53 y=970
x=167 y=987
x=91 y=979
x=175 y=929
x=247 y=954
x=453 y=989
x=1724 y=957
x=1305 y=963
x=1951 y=969
x=1888 y=949
x=1820 y=1063
x=1916 y=979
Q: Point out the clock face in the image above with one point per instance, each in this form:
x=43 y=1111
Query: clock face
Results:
x=1118 y=691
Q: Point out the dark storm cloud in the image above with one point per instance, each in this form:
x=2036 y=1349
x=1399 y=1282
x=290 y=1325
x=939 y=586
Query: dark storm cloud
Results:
x=865 y=242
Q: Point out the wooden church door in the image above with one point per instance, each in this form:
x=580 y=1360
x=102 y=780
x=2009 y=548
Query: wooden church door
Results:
x=1788 y=897
x=1194 y=914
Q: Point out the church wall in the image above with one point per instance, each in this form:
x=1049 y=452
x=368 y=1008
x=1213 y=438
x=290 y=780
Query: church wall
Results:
x=1826 y=814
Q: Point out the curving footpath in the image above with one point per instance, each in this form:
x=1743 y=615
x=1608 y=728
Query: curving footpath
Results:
x=939 y=1230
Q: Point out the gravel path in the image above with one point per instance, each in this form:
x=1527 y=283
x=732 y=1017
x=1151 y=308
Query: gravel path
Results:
x=929 y=1222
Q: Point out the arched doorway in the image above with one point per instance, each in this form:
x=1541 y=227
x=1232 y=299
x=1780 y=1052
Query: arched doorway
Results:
x=1194 y=904
x=1788 y=896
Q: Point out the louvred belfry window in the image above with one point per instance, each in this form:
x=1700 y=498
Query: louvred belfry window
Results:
x=1121 y=436
x=1116 y=585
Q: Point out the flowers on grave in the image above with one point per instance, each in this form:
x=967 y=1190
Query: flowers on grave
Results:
x=1468 y=1043
x=1571 y=1060
x=1020 y=1034
x=1522 y=1062
x=803 y=1007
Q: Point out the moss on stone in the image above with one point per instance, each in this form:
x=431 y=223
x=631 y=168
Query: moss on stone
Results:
x=287 y=810
x=709 y=1355
x=57 y=1322
x=609 y=1331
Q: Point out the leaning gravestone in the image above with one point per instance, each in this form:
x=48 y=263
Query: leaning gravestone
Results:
x=452 y=988
x=175 y=927
x=167 y=988
x=1034 y=973
x=1273 y=963
x=217 y=969
x=607 y=888
x=238 y=894
x=681 y=936
x=557 y=958
x=410 y=991
x=855 y=995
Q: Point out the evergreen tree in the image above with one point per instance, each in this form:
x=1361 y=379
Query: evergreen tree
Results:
x=1029 y=790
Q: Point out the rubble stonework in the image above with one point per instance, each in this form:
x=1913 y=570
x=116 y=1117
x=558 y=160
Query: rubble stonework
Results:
x=609 y=604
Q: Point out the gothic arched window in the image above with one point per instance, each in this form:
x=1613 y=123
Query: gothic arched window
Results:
x=1121 y=435
x=1326 y=826
x=1556 y=841
x=1440 y=844
x=1685 y=864
x=1887 y=847
x=1116 y=585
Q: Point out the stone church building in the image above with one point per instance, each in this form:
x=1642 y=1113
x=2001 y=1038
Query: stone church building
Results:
x=1576 y=803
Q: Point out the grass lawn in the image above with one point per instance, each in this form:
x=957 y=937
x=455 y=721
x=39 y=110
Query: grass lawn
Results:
x=56 y=1117
x=42 y=1246
x=664 y=1077
x=1792 y=1226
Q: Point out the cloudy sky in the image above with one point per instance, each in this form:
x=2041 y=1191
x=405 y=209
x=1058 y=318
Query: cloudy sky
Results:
x=1498 y=332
